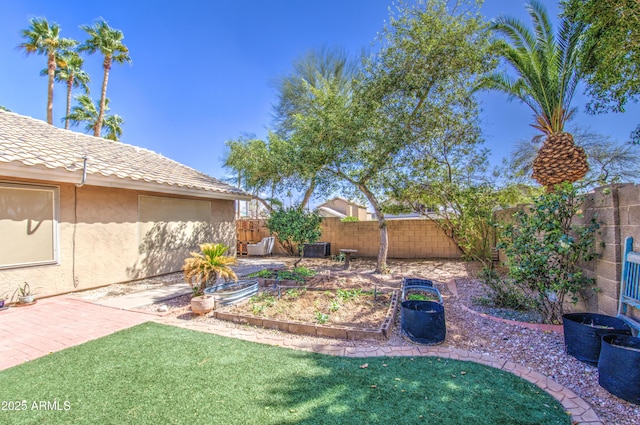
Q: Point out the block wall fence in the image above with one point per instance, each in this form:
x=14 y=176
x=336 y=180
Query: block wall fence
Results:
x=615 y=207
x=407 y=238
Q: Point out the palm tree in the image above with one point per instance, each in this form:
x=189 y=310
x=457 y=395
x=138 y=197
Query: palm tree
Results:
x=69 y=71
x=113 y=125
x=108 y=41
x=86 y=112
x=44 y=39
x=547 y=76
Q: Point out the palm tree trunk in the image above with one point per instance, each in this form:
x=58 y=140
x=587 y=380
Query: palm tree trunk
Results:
x=51 y=69
x=69 y=88
x=103 y=96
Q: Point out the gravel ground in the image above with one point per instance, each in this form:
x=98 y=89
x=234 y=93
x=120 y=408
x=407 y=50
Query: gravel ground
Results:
x=539 y=350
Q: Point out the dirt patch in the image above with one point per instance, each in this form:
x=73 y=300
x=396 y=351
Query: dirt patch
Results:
x=344 y=307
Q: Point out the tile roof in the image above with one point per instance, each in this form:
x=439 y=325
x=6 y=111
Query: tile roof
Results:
x=34 y=143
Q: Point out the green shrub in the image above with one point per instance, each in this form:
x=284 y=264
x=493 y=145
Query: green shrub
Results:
x=504 y=292
x=349 y=219
x=545 y=250
x=294 y=228
x=299 y=274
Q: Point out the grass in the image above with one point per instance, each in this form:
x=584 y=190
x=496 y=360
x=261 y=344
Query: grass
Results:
x=158 y=374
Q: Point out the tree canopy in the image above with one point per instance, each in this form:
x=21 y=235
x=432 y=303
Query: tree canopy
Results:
x=610 y=52
x=44 y=38
x=107 y=41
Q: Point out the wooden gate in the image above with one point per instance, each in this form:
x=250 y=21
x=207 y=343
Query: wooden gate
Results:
x=247 y=231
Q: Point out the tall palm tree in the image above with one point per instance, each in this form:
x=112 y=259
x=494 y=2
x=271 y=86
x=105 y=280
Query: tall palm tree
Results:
x=44 y=39
x=86 y=112
x=69 y=71
x=113 y=127
x=547 y=76
x=107 y=41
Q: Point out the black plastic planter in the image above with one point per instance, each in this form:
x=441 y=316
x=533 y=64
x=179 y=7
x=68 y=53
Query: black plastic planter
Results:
x=317 y=250
x=423 y=321
x=583 y=332
x=619 y=367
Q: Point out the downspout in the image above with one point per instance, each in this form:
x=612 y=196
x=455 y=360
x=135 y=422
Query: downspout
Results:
x=76 y=280
x=84 y=172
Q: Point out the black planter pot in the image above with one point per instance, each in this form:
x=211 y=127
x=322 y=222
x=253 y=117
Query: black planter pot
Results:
x=583 y=332
x=423 y=321
x=317 y=250
x=619 y=367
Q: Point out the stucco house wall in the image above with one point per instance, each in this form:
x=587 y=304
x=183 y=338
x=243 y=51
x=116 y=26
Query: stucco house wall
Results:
x=108 y=234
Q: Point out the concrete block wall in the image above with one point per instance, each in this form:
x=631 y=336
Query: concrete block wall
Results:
x=407 y=238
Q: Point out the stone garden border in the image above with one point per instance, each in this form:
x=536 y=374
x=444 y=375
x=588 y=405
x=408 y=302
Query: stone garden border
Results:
x=311 y=329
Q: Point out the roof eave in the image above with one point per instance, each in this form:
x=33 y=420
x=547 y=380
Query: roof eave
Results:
x=63 y=176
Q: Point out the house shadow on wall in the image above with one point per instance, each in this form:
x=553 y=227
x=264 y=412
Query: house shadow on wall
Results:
x=165 y=246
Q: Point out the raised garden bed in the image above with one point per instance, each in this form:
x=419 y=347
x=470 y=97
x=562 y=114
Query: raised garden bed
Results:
x=348 y=314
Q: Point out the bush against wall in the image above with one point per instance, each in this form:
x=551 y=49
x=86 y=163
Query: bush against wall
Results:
x=295 y=227
x=545 y=248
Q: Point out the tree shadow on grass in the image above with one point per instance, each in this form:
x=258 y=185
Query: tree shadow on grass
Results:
x=403 y=390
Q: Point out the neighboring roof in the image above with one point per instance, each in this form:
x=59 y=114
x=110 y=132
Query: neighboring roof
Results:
x=344 y=200
x=33 y=149
x=330 y=212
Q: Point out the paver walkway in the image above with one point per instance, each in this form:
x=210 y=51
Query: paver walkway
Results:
x=27 y=333
x=53 y=324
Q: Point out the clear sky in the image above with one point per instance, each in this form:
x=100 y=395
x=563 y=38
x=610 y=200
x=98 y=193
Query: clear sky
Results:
x=202 y=69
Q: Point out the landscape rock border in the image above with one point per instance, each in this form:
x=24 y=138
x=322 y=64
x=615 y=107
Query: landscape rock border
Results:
x=317 y=330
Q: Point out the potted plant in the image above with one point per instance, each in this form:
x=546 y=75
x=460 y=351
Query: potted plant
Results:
x=25 y=296
x=3 y=298
x=203 y=269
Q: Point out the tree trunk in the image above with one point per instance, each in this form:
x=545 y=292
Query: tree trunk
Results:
x=103 y=96
x=69 y=88
x=381 y=263
x=559 y=160
x=51 y=69
x=308 y=193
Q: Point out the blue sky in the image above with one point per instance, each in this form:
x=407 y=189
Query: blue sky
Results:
x=202 y=70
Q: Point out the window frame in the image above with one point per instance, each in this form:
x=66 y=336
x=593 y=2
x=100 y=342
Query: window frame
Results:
x=55 y=221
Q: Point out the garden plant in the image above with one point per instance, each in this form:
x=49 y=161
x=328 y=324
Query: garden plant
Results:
x=546 y=249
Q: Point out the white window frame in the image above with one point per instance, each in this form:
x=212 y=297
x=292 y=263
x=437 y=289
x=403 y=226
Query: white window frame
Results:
x=56 y=223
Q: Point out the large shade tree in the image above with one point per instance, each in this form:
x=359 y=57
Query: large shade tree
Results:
x=610 y=52
x=418 y=87
x=108 y=42
x=546 y=76
x=269 y=169
x=44 y=38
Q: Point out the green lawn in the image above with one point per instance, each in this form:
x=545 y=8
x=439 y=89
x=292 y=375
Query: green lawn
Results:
x=157 y=374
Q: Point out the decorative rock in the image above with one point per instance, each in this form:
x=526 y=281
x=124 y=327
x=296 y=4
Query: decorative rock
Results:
x=163 y=308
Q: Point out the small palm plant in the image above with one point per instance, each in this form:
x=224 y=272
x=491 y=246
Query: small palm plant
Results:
x=203 y=268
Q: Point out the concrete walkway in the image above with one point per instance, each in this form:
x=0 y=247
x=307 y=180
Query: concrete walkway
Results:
x=245 y=267
x=53 y=324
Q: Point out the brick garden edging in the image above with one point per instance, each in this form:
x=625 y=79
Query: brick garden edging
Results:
x=311 y=329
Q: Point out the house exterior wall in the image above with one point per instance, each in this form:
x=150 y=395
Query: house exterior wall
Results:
x=100 y=242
